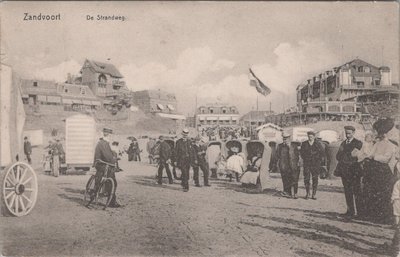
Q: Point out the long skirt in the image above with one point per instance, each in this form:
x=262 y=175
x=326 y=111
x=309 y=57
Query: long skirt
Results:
x=377 y=190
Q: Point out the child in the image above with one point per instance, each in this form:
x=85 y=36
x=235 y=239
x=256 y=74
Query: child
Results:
x=116 y=152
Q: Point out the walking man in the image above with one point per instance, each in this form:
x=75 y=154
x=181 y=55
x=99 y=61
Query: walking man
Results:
x=27 y=149
x=165 y=155
x=350 y=171
x=183 y=158
x=312 y=154
x=287 y=155
x=199 y=162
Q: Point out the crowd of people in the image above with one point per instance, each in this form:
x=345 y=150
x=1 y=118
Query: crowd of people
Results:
x=366 y=167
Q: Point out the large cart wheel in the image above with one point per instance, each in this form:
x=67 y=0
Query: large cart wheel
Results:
x=105 y=193
x=19 y=189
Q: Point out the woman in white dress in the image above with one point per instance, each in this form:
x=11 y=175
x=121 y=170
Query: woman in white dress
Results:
x=235 y=164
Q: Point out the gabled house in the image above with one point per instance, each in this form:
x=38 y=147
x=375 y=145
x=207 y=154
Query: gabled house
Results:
x=103 y=79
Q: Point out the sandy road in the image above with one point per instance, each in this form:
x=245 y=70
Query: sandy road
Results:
x=222 y=220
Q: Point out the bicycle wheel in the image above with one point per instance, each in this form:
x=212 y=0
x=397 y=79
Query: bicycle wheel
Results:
x=105 y=193
x=89 y=190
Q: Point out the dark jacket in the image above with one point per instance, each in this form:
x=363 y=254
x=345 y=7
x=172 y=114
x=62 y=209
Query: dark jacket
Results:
x=103 y=152
x=183 y=152
x=27 y=147
x=312 y=155
x=199 y=154
x=293 y=157
x=165 y=151
x=346 y=163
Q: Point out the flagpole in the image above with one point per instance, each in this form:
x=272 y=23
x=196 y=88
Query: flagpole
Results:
x=257 y=102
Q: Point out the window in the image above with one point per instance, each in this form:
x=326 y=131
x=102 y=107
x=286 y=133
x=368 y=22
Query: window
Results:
x=360 y=69
x=211 y=111
x=35 y=84
x=360 y=83
x=83 y=91
x=377 y=82
x=367 y=69
x=223 y=110
x=65 y=90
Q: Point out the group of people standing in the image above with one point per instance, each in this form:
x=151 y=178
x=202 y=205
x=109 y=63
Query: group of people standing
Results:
x=186 y=154
x=288 y=159
x=368 y=173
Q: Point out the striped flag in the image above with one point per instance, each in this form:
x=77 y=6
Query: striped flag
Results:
x=261 y=87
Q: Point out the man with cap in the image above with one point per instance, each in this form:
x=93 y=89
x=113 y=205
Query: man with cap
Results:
x=183 y=157
x=287 y=156
x=349 y=170
x=27 y=149
x=165 y=155
x=104 y=153
x=312 y=154
x=199 y=161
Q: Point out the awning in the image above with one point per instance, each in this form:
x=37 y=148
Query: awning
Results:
x=87 y=102
x=202 y=118
x=76 y=101
x=160 y=106
x=224 y=118
x=97 y=103
x=107 y=101
x=53 y=99
x=171 y=107
x=234 y=118
x=172 y=116
x=41 y=98
x=25 y=96
x=67 y=101
x=212 y=118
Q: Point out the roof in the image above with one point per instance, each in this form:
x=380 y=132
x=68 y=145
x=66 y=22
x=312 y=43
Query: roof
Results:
x=75 y=91
x=45 y=87
x=359 y=62
x=256 y=115
x=106 y=68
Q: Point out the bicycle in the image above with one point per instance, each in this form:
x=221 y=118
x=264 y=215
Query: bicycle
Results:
x=105 y=190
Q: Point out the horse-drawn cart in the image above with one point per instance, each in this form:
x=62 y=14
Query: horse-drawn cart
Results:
x=18 y=181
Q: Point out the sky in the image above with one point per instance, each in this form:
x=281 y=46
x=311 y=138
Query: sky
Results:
x=201 y=51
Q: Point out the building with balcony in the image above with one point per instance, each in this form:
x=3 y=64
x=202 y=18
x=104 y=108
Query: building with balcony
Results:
x=103 y=79
x=335 y=91
x=216 y=114
x=44 y=92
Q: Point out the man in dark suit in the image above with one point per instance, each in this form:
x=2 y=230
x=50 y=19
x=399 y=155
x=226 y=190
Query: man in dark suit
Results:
x=287 y=156
x=199 y=162
x=165 y=155
x=350 y=172
x=183 y=158
x=27 y=149
x=312 y=154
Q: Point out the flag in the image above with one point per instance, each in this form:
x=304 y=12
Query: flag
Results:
x=261 y=87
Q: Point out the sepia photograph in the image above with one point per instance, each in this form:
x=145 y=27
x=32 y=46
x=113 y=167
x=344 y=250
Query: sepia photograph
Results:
x=199 y=128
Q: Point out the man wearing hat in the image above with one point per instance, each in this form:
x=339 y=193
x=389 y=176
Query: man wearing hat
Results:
x=287 y=155
x=199 y=161
x=349 y=170
x=183 y=157
x=104 y=153
x=165 y=155
x=312 y=154
x=27 y=149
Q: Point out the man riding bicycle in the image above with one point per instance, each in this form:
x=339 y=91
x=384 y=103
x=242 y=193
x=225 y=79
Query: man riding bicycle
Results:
x=104 y=156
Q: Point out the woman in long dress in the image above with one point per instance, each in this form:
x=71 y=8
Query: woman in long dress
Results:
x=379 y=178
